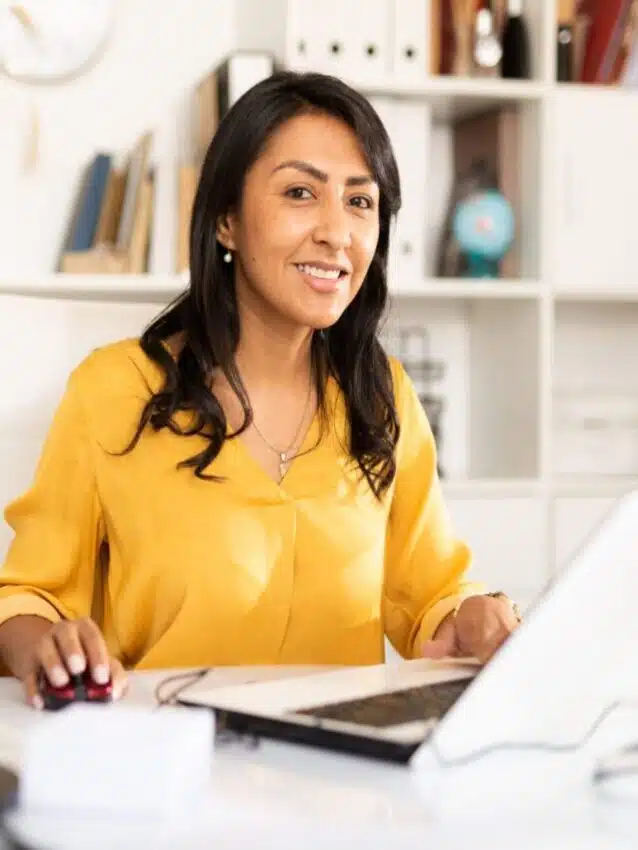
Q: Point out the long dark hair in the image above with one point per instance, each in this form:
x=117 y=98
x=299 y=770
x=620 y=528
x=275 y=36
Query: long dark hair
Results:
x=206 y=314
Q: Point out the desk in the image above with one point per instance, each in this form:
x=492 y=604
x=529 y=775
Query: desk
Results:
x=284 y=796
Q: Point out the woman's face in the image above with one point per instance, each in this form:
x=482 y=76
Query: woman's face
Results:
x=308 y=225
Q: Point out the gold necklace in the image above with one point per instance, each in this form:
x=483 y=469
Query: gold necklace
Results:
x=286 y=456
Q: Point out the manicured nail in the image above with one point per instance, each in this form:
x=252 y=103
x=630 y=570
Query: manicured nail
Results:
x=59 y=677
x=37 y=702
x=101 y=674
x=76 y=664
x=118 y=690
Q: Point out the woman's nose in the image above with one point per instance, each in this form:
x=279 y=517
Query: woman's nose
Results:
x=334 y=226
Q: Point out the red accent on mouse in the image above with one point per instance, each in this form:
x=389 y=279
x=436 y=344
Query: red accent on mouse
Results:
x=80 y=688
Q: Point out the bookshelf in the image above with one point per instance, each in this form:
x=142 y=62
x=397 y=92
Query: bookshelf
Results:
x=137 y=288
x=516 y=346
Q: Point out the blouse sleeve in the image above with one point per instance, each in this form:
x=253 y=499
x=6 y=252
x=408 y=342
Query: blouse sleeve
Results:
x=49 y=569
x=426 y=565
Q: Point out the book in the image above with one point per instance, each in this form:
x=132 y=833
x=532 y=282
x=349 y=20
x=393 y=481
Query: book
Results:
x=188 y=178
x=108 y=222
x=88 y=211
x=604 y=58
x=141 y=229
x=136 y=170
x=206 y=114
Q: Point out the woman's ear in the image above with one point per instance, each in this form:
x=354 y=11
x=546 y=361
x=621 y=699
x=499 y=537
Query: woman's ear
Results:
x=226 y=232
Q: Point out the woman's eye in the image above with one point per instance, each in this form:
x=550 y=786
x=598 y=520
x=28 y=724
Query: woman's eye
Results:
x=299 y=193
x=363 y=202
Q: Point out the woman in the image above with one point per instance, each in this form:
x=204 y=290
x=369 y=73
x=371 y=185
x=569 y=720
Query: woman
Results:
x=252 y=481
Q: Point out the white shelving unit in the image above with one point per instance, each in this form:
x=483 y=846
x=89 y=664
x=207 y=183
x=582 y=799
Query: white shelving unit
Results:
x=512 y=347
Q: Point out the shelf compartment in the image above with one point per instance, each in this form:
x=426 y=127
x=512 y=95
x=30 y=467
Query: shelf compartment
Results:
x=490 y=385
x=595 y=391
x=434 y=159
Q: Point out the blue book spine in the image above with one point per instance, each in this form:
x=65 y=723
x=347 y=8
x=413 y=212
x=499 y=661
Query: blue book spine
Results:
x=91 y=204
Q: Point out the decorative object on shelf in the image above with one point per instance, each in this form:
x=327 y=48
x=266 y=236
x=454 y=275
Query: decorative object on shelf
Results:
x=488 y=148
x=484 y=229
x=53 y=41
x=564 y=41
x=412 y=347
x=572 y=36
x=487 y=46
x=499 y=12
x=463 y=16
x=516 y=62
x=480 y=225
x=564 y=54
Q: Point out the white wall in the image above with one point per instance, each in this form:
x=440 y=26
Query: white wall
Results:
x=159 y=49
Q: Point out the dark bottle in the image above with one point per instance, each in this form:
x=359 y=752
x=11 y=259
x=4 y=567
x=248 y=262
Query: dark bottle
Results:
x=515 y=63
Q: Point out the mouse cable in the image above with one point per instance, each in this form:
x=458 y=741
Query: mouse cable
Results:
x=539 y=746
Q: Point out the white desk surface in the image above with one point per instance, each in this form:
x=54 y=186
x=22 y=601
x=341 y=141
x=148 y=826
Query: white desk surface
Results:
x=289 y=796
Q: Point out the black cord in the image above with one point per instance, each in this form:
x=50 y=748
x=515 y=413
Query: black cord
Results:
x=187 y=679
x=549 y=747
x=222 y=735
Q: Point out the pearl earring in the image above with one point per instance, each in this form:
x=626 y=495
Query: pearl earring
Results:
x=228 y=257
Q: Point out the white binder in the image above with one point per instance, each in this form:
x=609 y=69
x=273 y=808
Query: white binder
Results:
x=409 y=126
x=241 y=72
x=304 y=43
x=384 y=107
x=318 y=37
x=411 y=38
x=367 y=37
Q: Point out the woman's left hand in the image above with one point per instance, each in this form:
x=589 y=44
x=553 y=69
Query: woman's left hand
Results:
x=478 y=629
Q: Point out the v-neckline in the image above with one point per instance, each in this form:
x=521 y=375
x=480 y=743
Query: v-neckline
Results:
x=282 y=486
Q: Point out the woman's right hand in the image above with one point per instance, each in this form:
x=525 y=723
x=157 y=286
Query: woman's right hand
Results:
x=68 y=647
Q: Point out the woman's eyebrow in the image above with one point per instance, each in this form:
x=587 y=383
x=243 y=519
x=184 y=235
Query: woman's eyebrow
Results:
x=318 y=174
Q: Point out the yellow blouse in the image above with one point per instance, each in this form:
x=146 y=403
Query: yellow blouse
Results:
x=180 y=571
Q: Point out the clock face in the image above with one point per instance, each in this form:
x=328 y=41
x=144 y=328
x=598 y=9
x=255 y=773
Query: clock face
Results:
x=52 y=40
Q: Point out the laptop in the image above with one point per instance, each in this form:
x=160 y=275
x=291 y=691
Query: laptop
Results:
x=547 y=684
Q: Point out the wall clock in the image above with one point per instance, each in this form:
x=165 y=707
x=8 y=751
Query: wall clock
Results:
x=52 y=41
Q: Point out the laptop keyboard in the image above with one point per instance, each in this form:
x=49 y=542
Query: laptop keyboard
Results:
x=426 y=702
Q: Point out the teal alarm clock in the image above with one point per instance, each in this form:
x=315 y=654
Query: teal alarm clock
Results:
x=484 y=230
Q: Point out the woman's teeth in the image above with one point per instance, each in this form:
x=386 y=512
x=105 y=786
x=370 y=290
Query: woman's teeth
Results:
x=324 y=274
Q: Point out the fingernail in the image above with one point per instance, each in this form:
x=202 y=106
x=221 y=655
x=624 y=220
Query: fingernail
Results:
x=76 y=664
x=118 y=690
x=101 y=674
x=37 y=702
x=59 y=677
